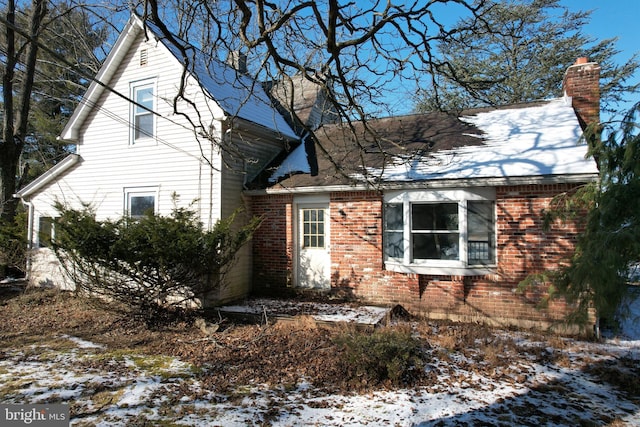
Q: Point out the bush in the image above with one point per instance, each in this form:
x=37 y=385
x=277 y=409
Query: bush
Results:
x=156 y=266
x=385 y=355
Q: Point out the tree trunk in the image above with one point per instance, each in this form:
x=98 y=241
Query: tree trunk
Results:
x=16 y=117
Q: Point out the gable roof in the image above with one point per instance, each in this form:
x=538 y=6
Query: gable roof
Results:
x=528 y=141
x=238 y=95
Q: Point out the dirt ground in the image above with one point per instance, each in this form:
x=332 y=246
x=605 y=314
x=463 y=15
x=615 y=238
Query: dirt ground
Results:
x=275 y=353
x=280 y=354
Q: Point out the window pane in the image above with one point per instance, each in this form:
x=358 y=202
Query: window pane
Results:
x=313 y=228
x=143 y=117
x=393 y=244
x=141 y=205
x=144 y=126
x=45 y=231
x=480 y=229
x=434 y=216
x=393 y=217
x=436 y=246
x=144 y=97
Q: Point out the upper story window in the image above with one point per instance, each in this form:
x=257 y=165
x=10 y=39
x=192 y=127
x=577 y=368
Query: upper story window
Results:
x=142 y=116
x=440 y=232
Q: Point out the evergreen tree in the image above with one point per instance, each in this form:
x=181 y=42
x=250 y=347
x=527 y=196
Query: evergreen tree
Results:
x=610 y=245
x=518 y=52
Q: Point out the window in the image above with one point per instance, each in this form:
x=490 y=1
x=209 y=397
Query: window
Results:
x=142 y=112
x=439 y=232
x=393 y=231
x=46 y=231
x=140 y=202
x=313 y=228
x=435 y=231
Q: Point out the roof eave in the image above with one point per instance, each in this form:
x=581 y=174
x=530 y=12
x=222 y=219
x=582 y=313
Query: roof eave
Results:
x=241 y=124
x=101 y=80
x=50 y=175
x=435 y=183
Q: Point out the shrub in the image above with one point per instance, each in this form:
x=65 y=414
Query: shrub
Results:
x=385 y=355
x=155 y=266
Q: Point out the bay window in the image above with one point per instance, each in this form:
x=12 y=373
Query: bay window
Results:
x=439 y=231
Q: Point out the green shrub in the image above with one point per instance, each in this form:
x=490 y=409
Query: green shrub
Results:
x=155 y=266
x=385 y=355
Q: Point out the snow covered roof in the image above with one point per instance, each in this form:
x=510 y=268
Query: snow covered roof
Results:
x=542 y=139
x=237 y=94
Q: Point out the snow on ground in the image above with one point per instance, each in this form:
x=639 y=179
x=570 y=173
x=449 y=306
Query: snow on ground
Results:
x=160 y=389
x=365 y=315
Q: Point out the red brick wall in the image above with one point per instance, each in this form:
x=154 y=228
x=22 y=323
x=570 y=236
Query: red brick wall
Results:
x=523 y=247
x=272 y=243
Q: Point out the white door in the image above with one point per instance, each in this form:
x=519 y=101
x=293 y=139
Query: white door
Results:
x=314 y=262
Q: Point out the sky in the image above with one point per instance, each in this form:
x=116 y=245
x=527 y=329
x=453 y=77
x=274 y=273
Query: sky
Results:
x=613 y=18
x=609 y=19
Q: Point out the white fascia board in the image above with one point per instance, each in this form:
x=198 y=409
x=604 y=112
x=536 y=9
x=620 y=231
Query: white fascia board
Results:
x=426 y=185
x=102 y=79
x=50 y=175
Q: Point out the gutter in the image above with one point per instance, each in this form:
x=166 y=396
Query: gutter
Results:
x=48 y=176
x=429 y=184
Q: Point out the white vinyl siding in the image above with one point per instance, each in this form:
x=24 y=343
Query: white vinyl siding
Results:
x=178 y=161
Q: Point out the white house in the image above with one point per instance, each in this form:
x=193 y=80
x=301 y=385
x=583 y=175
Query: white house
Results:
x=137 y=143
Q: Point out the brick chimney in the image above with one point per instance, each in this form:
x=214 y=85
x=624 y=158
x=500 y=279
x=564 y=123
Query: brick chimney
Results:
x=582 y=83
x=238 y=61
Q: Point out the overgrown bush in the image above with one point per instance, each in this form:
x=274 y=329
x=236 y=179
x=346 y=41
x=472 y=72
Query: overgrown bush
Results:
x=155 y=266
x=385 y=355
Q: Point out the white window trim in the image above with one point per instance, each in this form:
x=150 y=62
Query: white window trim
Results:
x=133 y=88
x=130 y=192
x=440 y=267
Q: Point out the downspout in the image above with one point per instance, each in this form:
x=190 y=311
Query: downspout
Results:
x=30 y=216
x=224 y=130
x=210 y=219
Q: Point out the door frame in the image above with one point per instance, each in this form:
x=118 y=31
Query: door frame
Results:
x=315 y=201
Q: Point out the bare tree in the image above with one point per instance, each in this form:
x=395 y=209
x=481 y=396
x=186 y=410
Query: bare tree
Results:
x=17 y=100
x=359 y=53
x=49 y=57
